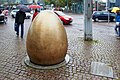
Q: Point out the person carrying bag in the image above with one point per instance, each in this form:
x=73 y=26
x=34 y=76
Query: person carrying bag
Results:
x=19 y=20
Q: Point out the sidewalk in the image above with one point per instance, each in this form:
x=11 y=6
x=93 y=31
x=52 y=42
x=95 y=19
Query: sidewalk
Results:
x=104 y=48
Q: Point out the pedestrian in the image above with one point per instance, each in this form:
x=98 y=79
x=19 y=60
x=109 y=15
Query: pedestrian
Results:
x=19 y=20
x=35 y=14
x=117 y=27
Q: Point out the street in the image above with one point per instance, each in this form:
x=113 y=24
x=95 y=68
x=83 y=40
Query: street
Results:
x=104 y=48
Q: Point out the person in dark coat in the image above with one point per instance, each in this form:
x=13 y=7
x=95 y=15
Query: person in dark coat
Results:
x=19 y=20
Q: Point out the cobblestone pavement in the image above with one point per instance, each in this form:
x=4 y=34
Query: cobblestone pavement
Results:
x=104 y=48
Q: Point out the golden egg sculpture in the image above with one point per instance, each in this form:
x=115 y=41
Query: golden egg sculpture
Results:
x=46 y=39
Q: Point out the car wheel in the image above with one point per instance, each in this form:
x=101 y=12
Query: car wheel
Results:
x=114 y=19
x=94 y=20
x=111 y=20
x=97 y=19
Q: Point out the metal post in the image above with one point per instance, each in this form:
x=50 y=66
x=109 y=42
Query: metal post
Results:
x=108 y=17
x=107 y=6
x=88 y=20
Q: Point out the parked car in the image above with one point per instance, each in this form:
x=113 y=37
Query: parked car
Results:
x=64 y=18
x=58 y=9
x=3 y=18
x=28 y=15
x=103 y=15
x=13 y=14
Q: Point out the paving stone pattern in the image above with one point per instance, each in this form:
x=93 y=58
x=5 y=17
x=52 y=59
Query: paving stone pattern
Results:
x=105 y=48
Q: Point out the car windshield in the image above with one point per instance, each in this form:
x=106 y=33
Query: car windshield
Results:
x=60 y=13
x=97 y=13
x=100 y=12
x=105 y=12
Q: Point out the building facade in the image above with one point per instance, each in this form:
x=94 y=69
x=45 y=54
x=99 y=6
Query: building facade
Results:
x=113 y=3
x=117 y=3
x=77 y=6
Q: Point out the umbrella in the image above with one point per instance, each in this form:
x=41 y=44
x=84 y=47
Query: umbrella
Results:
x=115 y=9
x=23 y=8
x=34 y=6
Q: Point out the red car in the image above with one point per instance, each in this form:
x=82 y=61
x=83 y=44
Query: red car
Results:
x=64 y=18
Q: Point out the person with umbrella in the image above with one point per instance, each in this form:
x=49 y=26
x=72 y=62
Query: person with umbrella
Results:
x=35 y=14
x=19 y=20
x=35 y=7
x=117 y=27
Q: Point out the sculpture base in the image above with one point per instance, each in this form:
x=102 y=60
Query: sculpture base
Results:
x=29 y=63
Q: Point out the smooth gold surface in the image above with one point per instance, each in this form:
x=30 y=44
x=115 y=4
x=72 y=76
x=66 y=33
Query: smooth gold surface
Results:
x=46 y=40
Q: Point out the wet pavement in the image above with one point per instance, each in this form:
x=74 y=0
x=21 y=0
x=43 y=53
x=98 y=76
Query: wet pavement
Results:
x=104 y=48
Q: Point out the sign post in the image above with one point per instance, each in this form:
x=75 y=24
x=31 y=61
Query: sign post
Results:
x=88 y=20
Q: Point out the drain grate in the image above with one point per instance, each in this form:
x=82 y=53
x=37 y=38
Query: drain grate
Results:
x=102 y=69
